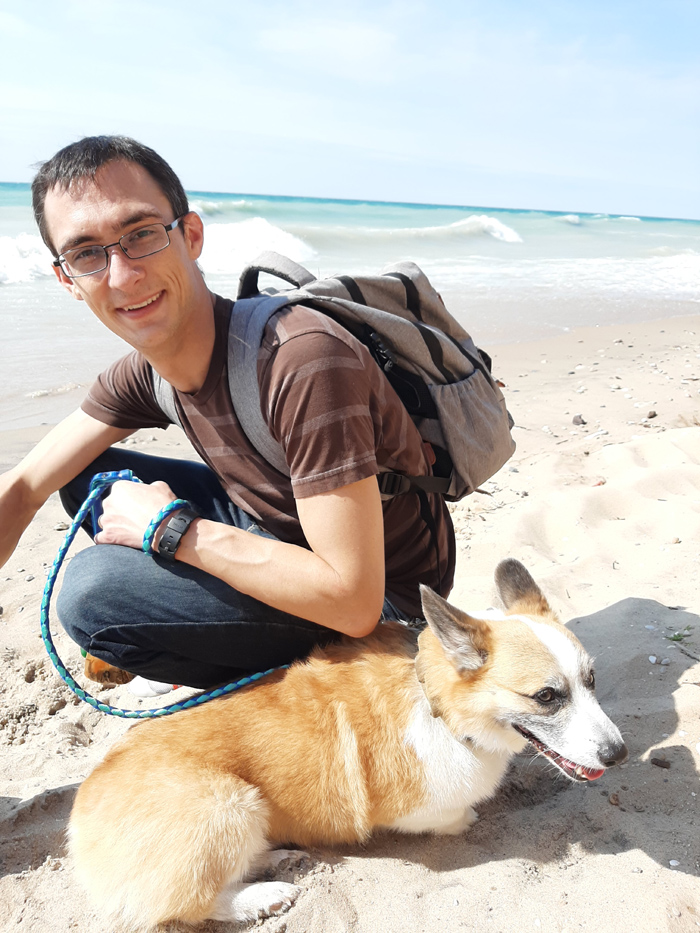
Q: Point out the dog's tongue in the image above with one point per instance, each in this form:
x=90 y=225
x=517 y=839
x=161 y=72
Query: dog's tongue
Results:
x=570 y=767
x=590 y=774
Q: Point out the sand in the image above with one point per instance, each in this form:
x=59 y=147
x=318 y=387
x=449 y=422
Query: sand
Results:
x=606 y=515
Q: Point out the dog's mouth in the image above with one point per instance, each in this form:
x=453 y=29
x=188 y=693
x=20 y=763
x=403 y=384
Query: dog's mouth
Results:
x=570 y=768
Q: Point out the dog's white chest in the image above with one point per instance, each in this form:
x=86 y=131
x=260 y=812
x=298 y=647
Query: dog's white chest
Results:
x=457 y=776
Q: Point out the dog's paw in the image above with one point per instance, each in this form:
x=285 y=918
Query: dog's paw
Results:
x=470 y=817
x=271 y=898
x=275 y=859
x=461 y=824
x=241 y=902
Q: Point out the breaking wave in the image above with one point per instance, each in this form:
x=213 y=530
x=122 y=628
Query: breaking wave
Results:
x=23 y=258
x=213 y=208
x=228 y=247
x=474 y=226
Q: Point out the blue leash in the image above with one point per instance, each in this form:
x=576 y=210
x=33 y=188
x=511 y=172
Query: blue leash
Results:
x=100 y=482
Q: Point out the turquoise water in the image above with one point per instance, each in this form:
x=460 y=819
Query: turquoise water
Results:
x=508 y=275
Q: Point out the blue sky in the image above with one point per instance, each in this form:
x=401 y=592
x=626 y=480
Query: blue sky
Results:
x=585 y=106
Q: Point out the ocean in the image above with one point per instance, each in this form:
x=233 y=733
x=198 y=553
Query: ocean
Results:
x=507 y=275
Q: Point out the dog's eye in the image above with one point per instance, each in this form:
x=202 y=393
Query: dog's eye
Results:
x=590 y=683
x=546 y=696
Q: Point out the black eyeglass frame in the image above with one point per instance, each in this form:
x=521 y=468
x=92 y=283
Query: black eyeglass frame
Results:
x=167 y=227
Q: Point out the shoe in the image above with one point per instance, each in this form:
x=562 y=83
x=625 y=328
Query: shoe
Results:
x=103 y=673
x=140 y=687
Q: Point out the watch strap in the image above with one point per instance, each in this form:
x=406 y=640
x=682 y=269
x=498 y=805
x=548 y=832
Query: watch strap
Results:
x=174 y=531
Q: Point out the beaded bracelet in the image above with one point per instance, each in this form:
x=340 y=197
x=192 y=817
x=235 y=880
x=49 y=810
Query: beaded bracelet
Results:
x=159 y=519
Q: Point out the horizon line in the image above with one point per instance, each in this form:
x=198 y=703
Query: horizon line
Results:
x=415 y=204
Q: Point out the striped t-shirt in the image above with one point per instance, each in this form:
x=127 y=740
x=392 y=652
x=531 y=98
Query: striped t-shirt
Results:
x=337 y=418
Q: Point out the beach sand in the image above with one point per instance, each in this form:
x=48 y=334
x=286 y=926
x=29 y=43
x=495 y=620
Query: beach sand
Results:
x=606 y=515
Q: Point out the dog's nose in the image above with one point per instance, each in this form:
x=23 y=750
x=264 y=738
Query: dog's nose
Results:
x=614 y=754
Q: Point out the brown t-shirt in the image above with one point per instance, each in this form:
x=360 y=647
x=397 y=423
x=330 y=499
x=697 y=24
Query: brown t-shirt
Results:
x=337 y=418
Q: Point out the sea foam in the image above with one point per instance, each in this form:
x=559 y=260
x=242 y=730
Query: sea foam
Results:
x=480 y=224
x=228 y=247
x=57 y=390
x=212 y=208
x=473 y=226
x=23 y=258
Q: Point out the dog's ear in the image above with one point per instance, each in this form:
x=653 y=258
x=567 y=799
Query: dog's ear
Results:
x=464 y=640
x=518 y=590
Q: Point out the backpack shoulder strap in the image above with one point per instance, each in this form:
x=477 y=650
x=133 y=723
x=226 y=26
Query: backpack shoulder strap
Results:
x=249 y=318
x=165 y=396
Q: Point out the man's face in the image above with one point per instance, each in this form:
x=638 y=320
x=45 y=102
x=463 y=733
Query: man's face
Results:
x=153 y=302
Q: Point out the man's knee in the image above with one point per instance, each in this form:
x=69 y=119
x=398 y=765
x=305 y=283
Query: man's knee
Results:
x=83 y=596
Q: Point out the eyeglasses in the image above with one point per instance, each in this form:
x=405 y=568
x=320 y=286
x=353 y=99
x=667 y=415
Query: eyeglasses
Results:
x=144 y=241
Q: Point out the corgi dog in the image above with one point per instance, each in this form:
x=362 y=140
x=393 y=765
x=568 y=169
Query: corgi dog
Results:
x=393 y=731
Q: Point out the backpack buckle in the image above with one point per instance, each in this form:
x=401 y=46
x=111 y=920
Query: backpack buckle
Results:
x=382 y=354
x=393 y=484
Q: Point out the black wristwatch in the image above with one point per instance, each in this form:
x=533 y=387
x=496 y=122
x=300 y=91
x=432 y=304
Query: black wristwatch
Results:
x=174 y=530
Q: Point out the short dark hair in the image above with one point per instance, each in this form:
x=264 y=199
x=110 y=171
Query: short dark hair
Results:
x=84 y=158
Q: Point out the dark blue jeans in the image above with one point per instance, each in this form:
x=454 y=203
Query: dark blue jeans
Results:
x=165 y=620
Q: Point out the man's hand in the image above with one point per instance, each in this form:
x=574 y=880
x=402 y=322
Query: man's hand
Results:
x=128 y=510
x=57 y=459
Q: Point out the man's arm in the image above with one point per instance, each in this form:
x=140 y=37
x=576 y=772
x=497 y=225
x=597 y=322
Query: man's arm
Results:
x=65 y=451
x=339 y=583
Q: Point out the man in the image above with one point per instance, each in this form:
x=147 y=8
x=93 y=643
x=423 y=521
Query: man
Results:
x=269 y=566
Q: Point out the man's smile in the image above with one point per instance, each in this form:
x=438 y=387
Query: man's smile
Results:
x=143 y=304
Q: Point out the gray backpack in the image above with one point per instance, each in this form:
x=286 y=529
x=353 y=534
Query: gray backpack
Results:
x=443 y=380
